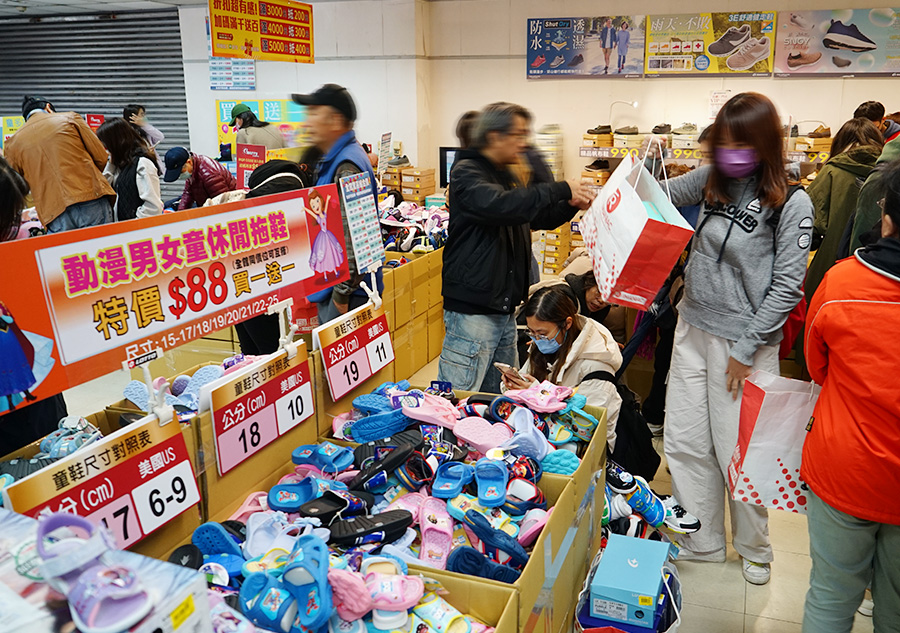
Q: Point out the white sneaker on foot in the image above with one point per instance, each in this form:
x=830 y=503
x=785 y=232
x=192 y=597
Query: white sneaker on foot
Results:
x=707 y=557
x=756 y=573
x=867 y=605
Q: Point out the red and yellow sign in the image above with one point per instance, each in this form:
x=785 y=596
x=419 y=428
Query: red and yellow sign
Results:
x=279 y=30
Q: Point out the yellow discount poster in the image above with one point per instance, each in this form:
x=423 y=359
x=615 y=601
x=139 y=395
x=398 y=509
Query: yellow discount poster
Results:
x=276 y=30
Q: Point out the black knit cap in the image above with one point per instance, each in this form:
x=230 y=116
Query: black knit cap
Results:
x=30 y=103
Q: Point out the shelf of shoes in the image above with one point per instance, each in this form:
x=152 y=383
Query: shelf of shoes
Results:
x=549 y=142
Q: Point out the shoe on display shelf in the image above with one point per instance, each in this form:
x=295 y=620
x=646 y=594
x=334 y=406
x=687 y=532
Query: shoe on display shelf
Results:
x=400 y=161
x=847 y=37
x=627 y=129
x=600 y=129
x=686 y=128
x=730 y=41
x=752 y=51
x=820 y=132
x=662 y=128
x=756 y=573
x=558 y=61
x=797 y=60
x=598 y=165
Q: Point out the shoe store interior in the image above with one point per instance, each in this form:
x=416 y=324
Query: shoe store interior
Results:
x=448 y=316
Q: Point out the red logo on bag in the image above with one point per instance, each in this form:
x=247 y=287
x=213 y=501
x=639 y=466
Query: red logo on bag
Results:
x=613 y=201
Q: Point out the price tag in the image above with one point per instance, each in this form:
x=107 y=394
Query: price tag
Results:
x=258 y=404
x=133 y=481
x=354 y=347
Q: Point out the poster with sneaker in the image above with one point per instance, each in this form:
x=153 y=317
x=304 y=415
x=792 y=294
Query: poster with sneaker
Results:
x=710 y=44
x=844 y=42
x=604 y=46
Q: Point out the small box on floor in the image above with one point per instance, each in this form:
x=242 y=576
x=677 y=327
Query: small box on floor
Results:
x=628 y=580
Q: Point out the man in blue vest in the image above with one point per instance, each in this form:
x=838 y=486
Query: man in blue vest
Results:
x=330 y=114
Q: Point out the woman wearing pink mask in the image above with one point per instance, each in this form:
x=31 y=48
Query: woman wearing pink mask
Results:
x=744 y=276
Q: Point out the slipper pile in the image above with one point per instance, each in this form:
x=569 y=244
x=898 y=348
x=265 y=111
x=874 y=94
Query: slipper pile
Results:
x=407 y=227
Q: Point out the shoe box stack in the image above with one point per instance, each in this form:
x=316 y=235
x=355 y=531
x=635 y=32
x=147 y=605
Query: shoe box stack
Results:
x=819 y=140
x=557 y=244
x=549 y=142
x=391 y=177
x=596 y=173
x=628 y=141
x=684 y=141
x=577 y=239
x=597 y=140
x=417 y=184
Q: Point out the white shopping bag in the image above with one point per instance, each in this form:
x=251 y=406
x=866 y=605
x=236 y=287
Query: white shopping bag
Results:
x=765 y=465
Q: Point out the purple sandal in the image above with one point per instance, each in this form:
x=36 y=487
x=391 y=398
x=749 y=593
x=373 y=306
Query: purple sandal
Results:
x=108 y=600
x=64 y=560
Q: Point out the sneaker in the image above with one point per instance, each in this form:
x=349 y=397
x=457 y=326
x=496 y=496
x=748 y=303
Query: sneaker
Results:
x=632 y=526
x=820 y=132
x=618 y=506
x=598 y=165
x=618 y=479
x=847 y=37
x=756 y=573
x=867 y=606
x=686 y=128
x=662 y=128
x=656 y=429
x=578 y=59
x=600 y=129
x=677 y=518
x=559 y=60
x=840 y=62
x=750 y=52
x=793 y=131
x=646 y=503
x=730 y=41
x=708 y=557
x=628 y=129
x=540 y=60
x=796 y=60
x=802 y=22
x=401 y=161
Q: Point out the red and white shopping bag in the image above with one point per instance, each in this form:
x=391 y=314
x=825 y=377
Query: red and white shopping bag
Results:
x=765 y=465
x=634 y=236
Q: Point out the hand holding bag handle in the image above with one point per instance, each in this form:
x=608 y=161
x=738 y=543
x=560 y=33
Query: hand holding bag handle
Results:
x=661 y=158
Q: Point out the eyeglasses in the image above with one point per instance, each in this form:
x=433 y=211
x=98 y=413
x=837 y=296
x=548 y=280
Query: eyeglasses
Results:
x=541 y=337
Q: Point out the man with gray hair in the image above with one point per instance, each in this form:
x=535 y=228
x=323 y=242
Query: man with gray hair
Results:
x=488 y=250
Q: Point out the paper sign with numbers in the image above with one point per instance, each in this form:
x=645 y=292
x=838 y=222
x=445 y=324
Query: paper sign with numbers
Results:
x=258 y=404
x=133 y=481
x=354 y=347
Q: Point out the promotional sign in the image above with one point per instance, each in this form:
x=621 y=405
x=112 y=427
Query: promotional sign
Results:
x=354 y=347
x=384 y=154
x=229 y=74
x=94 y=121
x=287 y=116
x=11 y=125
x=710 y=44
x=133 y=481
x=248 y=158
x=362 y=218
x=258 y=404
x=608 y=46
x=78 y=306
x=274 y=30
x=845 y=42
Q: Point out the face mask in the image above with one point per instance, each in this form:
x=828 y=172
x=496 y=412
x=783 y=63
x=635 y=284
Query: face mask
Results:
x=548 y=346
x=737 y=163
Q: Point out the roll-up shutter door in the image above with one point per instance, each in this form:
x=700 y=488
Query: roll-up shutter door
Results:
x=97 y=64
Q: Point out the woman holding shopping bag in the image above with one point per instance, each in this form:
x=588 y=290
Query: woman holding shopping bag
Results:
x=853 y=508
x=743 y=277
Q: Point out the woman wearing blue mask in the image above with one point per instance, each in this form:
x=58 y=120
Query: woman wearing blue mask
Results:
x=566 y=347
x=743 y=278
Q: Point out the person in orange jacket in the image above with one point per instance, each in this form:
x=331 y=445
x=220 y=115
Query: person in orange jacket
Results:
x=851 y=458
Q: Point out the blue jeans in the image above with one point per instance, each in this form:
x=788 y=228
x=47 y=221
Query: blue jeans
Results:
x=846 y=554
x=82 y=215
x=472 y=344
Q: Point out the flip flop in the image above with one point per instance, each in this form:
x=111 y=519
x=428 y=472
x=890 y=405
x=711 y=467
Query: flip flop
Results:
x=559 y=434
x=188 y=556
x=491 y=477
x=523 y=495
x=532 y=524
x=65 y=558
x=377 y=472
x=437 y=532
x=379 y=426
x=267 y=603
x=469 y=561
x=372 y=403
x=328 y=457
x=385 y=527
x=434 y=410
x=392 y=596
x=255 y=502
x=212 y=538
x=365 y=453
x=335 y=504
x=416 y=472
x=494 y=541
x=441 y=616
x=561 y=462
x=306 y=578
x=481 y=434
x=502 y=407
x=290 y=497
x=411 y=502
x=462 y=503
x=544 y=397
x=349 y=593
x=108 y=599
x=272 y=563
x=451 y=478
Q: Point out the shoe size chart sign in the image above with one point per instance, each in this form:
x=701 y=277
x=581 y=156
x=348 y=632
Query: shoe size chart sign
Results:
x=258 y=404
x=133 y=481
x=362 y=218
x=710 y=44
x=843 y=42
x=600 y=46
x=354 y=347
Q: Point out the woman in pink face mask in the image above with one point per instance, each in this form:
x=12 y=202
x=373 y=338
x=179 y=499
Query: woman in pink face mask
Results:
x=744 y=276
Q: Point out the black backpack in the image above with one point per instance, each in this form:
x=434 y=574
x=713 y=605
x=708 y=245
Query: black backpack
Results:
x=634 y=441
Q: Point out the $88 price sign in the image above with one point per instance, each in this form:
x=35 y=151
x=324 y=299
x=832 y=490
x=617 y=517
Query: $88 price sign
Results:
x=200 y=289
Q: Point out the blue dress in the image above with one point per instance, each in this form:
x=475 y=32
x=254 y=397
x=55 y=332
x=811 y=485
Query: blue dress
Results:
x=15 y=370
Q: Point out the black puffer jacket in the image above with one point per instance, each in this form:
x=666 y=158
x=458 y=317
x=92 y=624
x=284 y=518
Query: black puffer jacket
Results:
x=488 y=250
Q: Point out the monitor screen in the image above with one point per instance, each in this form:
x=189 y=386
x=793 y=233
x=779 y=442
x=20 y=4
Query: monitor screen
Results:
x=447 y=156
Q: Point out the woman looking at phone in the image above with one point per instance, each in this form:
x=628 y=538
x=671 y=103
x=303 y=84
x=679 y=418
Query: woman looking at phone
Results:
x=565 y=348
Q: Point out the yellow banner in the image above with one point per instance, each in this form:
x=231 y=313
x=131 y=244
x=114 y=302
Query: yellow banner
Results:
x=275 y=30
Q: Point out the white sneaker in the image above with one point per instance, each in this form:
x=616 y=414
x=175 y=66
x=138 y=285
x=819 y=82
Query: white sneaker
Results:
x=756 y=573
x=618 y=507
x=708 y=557
x=867 y=605
x=677 y=518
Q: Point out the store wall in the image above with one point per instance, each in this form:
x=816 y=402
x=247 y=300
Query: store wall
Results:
x=368 y=46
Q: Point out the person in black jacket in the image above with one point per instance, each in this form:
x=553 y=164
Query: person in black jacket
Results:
x=488 y=250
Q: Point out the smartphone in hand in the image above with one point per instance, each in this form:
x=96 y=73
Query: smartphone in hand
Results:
x=509 y=370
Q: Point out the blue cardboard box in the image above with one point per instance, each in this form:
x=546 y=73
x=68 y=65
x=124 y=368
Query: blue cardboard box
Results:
x=628 y=580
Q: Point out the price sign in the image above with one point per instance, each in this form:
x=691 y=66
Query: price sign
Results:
x=258 y=404
x=354 y=347
x=133 y=481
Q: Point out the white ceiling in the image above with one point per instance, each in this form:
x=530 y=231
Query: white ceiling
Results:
x=29 y=8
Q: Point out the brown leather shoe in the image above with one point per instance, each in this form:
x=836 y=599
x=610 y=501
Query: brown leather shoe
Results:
x=820 y=132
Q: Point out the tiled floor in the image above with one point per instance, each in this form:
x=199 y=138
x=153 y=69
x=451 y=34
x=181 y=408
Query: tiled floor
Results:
x=716 y=597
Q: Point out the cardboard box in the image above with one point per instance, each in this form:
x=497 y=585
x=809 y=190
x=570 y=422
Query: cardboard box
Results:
x=387 y=295
x=402 y=291
x=183 y=359
x=395 y=170
x=391 y=182
x=421 y=273
x=416 y=172
x=560 y=233
x=419 y=199
x=403 y=359
x=419 y=342
x=435 y=331
x=436 y=283
x=492 y=604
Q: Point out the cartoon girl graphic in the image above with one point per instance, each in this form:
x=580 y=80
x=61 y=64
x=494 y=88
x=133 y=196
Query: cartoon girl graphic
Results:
x=327 y=253
x=16 y=361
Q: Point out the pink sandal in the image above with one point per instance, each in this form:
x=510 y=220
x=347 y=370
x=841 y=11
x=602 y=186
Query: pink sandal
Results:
x=434 y=410
x=544 y=397
x=532 y=524
x=350 y=595
x=255 y=502
x=392 y=596
x=412 y=502
x=481 y=434
x=437 y=532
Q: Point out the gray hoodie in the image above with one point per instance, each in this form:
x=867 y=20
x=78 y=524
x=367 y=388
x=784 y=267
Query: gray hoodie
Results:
x=743 y=278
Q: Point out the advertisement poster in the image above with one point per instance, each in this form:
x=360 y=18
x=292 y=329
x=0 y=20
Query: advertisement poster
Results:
x=710 y=44
x=248 y=158
x=229 y=74
x=843 y=42
x=11 y=125
x=77 y=308
x=274 y=30
x=604 y=46
x=288 y=116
